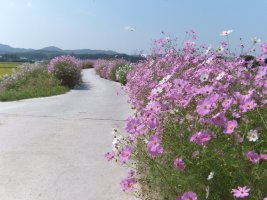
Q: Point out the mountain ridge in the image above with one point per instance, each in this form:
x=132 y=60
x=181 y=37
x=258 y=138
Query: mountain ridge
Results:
x=5 y=49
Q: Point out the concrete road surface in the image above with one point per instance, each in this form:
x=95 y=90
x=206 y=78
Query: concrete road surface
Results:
x=53 y=148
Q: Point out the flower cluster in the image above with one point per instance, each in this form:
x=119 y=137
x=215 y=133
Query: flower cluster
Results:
x=112 y=69
x=67 y=69
x=198 y=109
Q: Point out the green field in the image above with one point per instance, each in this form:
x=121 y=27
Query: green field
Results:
x=7 y=67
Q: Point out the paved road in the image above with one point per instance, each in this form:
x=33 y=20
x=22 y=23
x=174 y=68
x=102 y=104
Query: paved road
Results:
x=52 y=148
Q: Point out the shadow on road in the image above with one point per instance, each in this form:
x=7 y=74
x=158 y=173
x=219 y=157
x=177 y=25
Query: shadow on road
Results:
x=82 y=86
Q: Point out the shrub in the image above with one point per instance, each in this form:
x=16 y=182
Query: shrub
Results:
x=67 y=69
x=199 y=128
x=87 y=64
x=107 y=68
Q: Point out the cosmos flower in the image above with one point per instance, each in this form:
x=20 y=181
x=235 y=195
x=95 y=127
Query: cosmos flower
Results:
x=210 y=176
x=126 y=154
x=230 y=126
x=241 y=192
x=179 y=163
x=154 y=146
x=201 y=138
x=128 y=184
x=252 y=135
x=226 y=33
x=189 y=196
x=253 y=157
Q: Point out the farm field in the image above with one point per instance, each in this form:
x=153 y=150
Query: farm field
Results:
x=7 y=67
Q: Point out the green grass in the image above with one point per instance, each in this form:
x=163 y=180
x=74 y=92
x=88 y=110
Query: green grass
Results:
x=7 y=67
x=36 y=83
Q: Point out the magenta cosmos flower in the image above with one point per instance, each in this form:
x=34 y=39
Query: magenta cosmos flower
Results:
x=154 y=146
x=126 y=154
x=263 y=156
x=134 y=126
x=204 y=107
x=241 y=192
x=219 y=119
x=189 y=196
x=253 y=157
x=128 y=184
x=201 y=138
x=264 y=48
x=110 y=155
x=247 y=105
x=230 y=126
x=179 y=163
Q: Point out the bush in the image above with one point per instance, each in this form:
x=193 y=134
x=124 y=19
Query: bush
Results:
x=121 y=73
x=199 y=128
x=107 y=68
x=87 y=64
x=30 y=81
x=67 y=69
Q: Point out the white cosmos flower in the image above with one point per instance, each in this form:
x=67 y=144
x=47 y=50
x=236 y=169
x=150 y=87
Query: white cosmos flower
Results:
x=116 y=141
x=220 y=76
x=114 y=131
x=221 y=49
x=157 y=90
x=208 y=50
x=208 y=61
x=165 y=79
x=256 y=40
x=253 y=135
x=210 y=176
x=226 y=33
x=204 y=77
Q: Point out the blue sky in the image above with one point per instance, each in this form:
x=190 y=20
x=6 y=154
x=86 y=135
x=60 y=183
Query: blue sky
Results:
x=107 y=24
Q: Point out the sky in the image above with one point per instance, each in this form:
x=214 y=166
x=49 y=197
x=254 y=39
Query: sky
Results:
x=127 y=26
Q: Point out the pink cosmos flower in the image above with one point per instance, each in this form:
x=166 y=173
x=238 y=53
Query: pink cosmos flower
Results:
x=230 y=126
x=247 y=105
x=227 y=103
x=204 y=107
x=253 y=157
x=201 y=138
x=134 y=126
x=263 y=156
x=154 y=146
x=189 y=196
x=126 y=154
x=264 y=48
x=128 y=184
x=110 y=155
x=241 y=192
x=179 y=163
x=219 y=119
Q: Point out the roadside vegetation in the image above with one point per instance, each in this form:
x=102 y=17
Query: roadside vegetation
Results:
x=199 y=130
x=30 y=81
x=114 y=70
x=41 y=79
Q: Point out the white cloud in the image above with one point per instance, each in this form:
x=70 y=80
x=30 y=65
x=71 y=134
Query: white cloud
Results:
x=128 y=28
x=29 y=4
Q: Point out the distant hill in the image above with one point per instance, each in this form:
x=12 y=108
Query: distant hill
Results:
x=5 y=49
x=8 y=53
x=8 y=49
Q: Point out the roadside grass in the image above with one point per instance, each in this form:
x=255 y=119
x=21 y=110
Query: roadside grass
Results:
x=8 y=68
x=30 y=81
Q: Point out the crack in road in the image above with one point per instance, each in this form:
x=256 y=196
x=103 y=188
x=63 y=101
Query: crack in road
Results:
x=62 y=118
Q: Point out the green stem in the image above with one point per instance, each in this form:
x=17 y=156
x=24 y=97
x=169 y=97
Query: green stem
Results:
x=262 y=119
